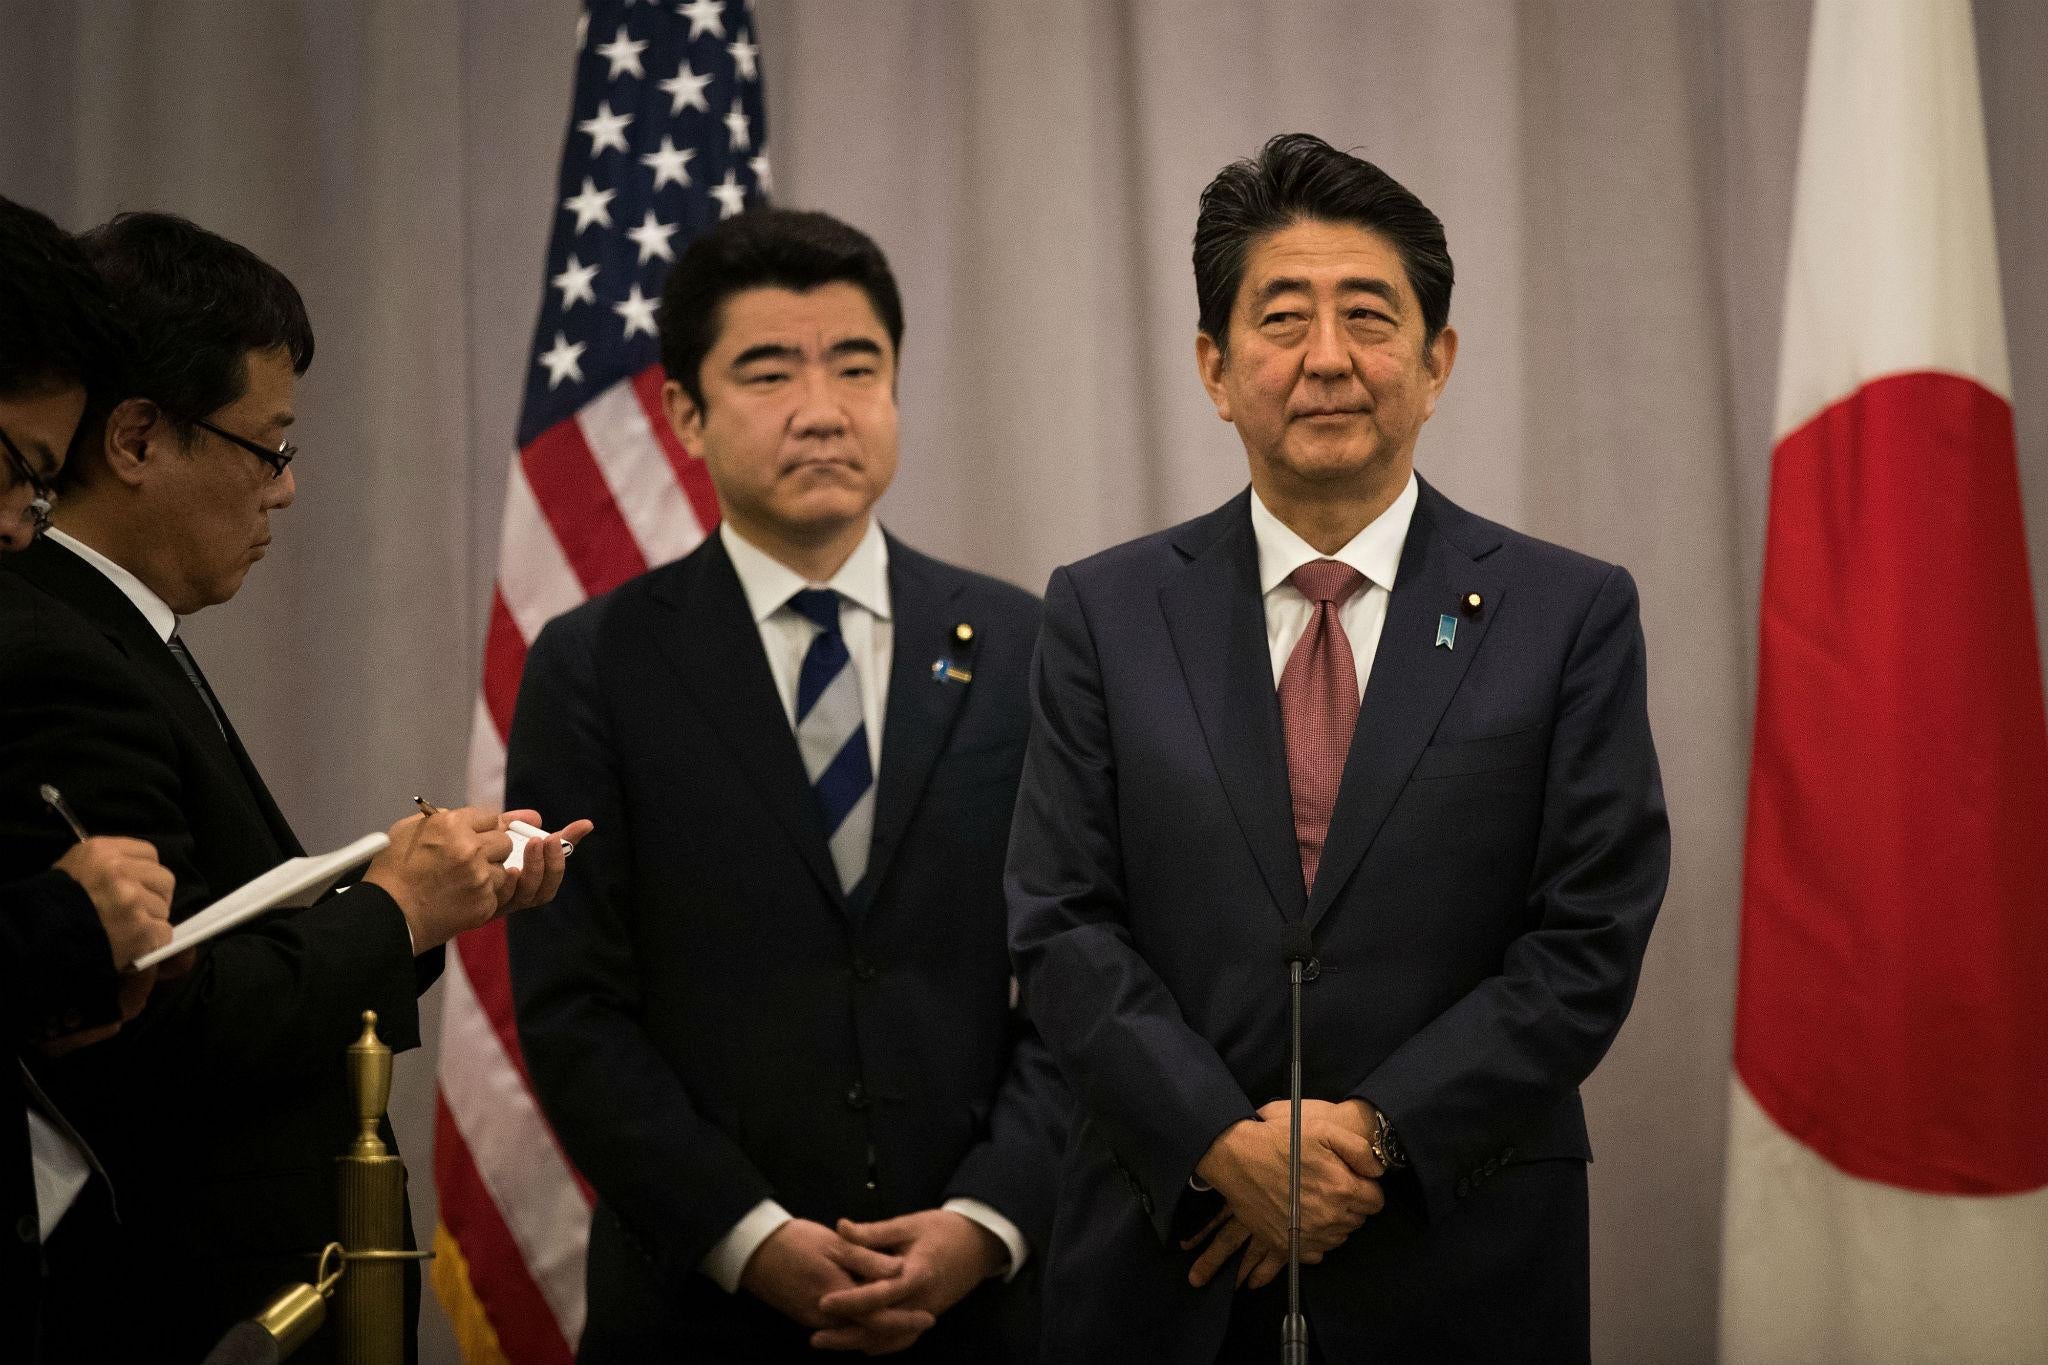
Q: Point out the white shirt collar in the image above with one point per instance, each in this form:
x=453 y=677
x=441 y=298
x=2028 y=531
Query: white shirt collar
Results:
x=769 y=583
x=158 y=612
x=1374 y=551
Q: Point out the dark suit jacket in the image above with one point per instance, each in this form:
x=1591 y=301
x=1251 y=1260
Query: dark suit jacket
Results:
x=56 y=977
x=217 y=1113
x=1497 y=854
x=708 y=1021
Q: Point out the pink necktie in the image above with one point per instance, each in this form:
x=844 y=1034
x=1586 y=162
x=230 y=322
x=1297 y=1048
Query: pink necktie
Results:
x=1319 y=706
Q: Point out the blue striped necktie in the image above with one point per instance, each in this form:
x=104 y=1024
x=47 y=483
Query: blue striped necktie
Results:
x=833 y=736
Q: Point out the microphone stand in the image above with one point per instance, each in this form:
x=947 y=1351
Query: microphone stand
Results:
x=1294 y=1330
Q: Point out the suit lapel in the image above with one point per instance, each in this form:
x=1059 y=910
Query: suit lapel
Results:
x=712 y=641
x=1412 y=681
x=1217 y=619
x=921 y=711
x=66 y=576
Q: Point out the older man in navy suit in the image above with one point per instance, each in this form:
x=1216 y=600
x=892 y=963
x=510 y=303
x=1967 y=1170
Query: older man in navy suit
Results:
x=1337 y=707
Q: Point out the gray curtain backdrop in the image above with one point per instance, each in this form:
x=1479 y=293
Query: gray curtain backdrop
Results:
x=1616 y=180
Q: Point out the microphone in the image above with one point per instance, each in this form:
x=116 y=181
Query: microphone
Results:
x=1299 y=949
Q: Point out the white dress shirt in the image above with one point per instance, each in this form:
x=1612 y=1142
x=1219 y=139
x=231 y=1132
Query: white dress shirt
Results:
x=1374 y=552
x=61 y=1169
x=865 y=623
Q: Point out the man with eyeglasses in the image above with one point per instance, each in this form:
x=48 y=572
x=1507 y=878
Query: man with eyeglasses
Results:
x=219 y=1110
x=65 y=933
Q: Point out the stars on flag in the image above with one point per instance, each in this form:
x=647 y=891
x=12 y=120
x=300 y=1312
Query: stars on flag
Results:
x=686 y=90
x=638 y=311
x=623 y=54
x=730 y=194
x=746 y=56
x=705 y=16
x=591 y=205
x=606 y=129
x=668 y=136
x=564 y=361
x=669 y=163
x=574 y=282
x=652 y=238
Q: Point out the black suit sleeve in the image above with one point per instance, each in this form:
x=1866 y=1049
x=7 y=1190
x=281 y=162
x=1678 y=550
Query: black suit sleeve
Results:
x=676 y=1182
x=56 y=966
x=1520 y=1043
x=1158 y=1090
x=280 y=996
x=1015 y=1169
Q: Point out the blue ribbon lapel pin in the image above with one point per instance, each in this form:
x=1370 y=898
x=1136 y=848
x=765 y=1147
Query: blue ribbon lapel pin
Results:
x=1446 y=632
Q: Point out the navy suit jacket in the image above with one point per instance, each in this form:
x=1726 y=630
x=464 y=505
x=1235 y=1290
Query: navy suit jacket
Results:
x=708 y=1021
x=1496 y=857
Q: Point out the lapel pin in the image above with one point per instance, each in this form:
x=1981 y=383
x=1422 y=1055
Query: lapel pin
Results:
x=1472 y=603
x=944 y=670
x=1446 y=632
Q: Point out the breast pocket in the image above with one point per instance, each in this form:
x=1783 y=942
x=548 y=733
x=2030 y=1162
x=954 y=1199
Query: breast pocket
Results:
x=1519 y=749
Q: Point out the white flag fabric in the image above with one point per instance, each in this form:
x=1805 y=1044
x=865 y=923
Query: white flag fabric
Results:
x=1887 y=1188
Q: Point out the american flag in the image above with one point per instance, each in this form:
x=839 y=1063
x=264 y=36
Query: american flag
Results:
x=667 y=135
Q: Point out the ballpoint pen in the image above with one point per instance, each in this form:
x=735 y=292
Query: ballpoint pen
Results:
x=518 y=827
x=54 y=799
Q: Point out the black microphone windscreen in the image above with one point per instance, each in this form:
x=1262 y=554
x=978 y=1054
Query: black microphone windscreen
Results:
x=1295 y=944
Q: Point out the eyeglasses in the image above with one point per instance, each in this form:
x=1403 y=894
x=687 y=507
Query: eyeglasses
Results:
x=41 y=494
x=277 y=459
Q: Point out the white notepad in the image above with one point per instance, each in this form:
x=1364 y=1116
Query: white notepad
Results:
x=291 y=885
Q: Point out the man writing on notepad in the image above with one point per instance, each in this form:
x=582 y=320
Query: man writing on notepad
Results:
x=217 y=1112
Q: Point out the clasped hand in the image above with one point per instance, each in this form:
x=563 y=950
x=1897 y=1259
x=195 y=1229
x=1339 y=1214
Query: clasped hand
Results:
x=1247 y=1165
x=872 y=1287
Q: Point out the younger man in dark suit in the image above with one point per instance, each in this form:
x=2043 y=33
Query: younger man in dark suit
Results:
x=1474 y=854
x=770 y=1018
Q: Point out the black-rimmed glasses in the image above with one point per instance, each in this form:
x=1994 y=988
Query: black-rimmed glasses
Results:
x=41 y=495
x=277 y=459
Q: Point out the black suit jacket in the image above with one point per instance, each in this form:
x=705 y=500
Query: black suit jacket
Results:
x=708 y=1021
x=1495 y=860
x=218 y=1112
x=56 y=977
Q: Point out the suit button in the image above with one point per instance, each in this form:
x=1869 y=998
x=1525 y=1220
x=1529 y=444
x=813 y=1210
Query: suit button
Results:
x=26 y=1227
x=1311 y=969
x=856 y=1096
x=864 y=970
x=1464 y=1187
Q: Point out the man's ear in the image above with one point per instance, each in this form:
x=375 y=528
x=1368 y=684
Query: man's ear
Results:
x=1209 y=358
x=1438 y=358
x=133 y=425
x=685 y=417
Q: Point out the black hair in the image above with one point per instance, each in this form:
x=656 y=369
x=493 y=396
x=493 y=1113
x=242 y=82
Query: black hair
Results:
x=57 y=322
x=765 y=248
x=1297 y=177
x=196 y=304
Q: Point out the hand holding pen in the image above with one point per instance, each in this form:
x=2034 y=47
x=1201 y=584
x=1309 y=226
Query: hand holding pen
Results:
x=130 y=890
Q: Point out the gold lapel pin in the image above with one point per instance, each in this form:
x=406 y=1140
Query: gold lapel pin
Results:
x=1472 y=603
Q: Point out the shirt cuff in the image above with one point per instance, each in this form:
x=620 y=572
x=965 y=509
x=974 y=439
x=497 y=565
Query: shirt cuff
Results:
x=727 y=1261
x=974 y=1211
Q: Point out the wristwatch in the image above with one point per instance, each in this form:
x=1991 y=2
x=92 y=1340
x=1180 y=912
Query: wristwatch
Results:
x=1386 y=1148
